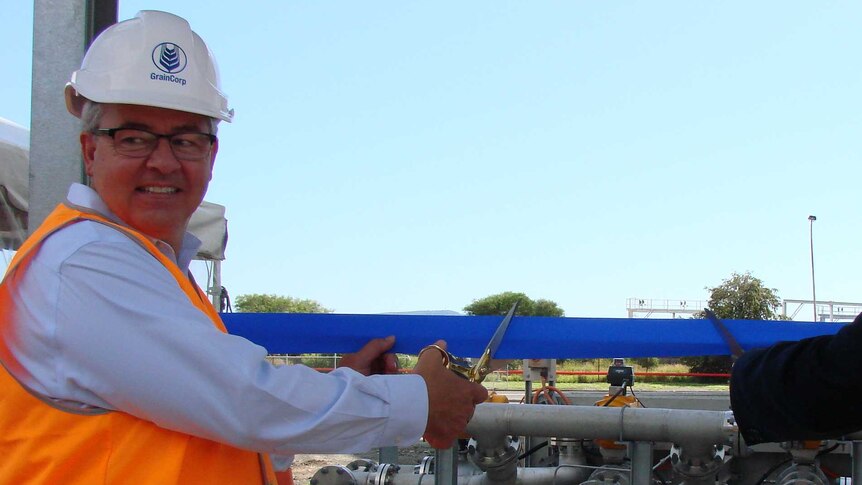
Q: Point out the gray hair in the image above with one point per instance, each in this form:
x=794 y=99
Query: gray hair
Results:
x=91 y=116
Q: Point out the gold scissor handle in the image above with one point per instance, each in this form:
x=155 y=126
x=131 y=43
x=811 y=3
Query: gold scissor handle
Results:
x=462 y=367
x=478 y=371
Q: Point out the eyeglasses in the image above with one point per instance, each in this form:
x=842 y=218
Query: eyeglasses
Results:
x=141 y=143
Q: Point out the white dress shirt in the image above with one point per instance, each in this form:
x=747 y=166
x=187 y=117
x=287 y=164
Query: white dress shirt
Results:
x=102 y=324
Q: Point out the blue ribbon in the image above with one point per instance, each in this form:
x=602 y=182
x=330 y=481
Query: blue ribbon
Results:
x=526 y=338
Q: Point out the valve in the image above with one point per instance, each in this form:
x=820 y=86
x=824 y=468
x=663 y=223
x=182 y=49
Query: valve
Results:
x=616 y=475
x=487 y=458
x=333 y=475
x=698 y=467
x=801 y=474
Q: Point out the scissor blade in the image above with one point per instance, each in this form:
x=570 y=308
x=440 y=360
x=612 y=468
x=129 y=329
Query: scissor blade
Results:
x=494 y=344
x=732 y=344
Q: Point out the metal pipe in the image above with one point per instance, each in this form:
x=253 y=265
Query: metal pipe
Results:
x=641 y=463
x=446 y=469
x=592 y=422
x=60 y=37
x=694 y=430
x=525 y=476
x=811 y=220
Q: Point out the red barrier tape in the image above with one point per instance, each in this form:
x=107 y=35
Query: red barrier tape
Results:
x=593 y=373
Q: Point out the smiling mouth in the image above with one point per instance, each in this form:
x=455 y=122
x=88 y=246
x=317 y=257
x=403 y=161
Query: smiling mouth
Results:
x=159 y=190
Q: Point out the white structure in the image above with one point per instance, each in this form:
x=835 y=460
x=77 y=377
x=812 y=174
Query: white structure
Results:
x=646 y=307
x=826 y=311
x=14 y=186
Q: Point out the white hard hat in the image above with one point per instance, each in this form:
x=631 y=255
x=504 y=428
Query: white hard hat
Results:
x=154 y=59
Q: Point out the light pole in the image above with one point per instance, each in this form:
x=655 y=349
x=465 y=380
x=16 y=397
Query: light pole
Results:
x=811 y=220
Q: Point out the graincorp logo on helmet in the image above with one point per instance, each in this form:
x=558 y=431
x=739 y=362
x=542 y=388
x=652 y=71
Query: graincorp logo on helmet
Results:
x=171 y=60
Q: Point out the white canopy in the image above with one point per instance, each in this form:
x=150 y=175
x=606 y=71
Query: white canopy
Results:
x=14 y=186
x=208 y=222
x=210 y=226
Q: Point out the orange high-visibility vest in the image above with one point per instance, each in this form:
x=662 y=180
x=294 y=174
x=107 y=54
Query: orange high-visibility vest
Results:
x=44 y=444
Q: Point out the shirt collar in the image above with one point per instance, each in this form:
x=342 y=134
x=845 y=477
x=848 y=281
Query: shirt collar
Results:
x=82 y=196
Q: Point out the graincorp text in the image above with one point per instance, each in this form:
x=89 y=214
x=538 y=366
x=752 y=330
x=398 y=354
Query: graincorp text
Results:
x=167 y=77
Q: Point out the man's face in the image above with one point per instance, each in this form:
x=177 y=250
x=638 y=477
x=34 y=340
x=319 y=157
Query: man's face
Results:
x=156 y=194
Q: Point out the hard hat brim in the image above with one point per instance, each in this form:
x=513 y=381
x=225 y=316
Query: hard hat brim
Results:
x=74 y=102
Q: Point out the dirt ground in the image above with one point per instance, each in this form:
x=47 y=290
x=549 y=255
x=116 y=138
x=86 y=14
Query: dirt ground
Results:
x=305 y=466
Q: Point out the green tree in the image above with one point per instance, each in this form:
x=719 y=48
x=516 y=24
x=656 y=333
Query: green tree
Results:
x=259 y=303
x=744 y=297
x=648 y=363
x=740 y=297
x=500 y=304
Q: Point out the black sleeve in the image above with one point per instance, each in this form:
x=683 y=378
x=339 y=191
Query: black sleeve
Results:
x=808 y=389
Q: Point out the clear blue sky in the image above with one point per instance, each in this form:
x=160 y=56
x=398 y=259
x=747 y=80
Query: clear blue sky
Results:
x=394 y=156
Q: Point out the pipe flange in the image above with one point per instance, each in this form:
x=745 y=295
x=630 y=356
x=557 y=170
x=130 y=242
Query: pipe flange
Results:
x=698 y=466
x=425 y=467
x=333 y=475
x=383 y=475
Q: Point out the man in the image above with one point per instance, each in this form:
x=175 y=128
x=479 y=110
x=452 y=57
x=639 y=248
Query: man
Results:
x=116 y=367
x=804 y=390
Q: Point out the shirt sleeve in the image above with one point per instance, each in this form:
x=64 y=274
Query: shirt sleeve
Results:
x=800 y=390
x=115 y=331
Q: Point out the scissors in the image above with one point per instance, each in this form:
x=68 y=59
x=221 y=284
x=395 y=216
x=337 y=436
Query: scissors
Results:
x=484 y=366
x=729 y=339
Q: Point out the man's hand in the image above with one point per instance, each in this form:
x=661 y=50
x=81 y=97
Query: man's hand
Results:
x=451 y=399
x=372 y=358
